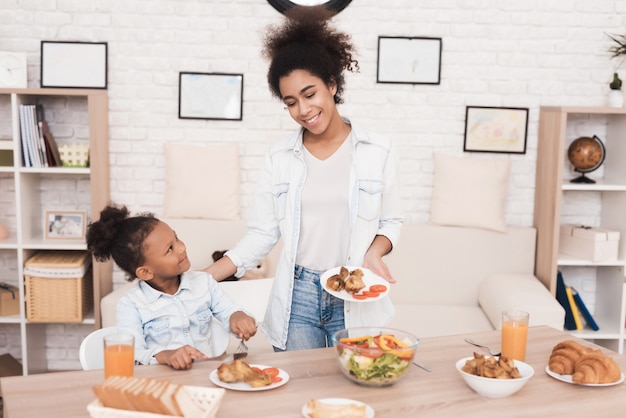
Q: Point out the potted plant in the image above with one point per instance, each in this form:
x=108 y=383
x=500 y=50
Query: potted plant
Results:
x=618 y=49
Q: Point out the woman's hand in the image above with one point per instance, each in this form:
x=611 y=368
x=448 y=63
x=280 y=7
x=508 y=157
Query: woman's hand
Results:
x=181 y=358
x=242 y=325
x=373 y=259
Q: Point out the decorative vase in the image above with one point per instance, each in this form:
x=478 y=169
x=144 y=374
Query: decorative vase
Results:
x=616 y=98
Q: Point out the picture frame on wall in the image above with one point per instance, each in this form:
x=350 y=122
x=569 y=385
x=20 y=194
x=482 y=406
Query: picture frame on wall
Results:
x=74 y=64
x=216 y=96
x=409 y=60
x=65 y=224
x=496 y=129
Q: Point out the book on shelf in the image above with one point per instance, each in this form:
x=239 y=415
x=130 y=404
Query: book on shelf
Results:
x=52 y=149
x=584 y=311
x=572 y=304
x=39 y=149
x=38 y=113
x=561 y=297
x=23 y=137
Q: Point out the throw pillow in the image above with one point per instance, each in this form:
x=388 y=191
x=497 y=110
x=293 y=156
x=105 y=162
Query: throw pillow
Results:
x=469 y=192
x=202 y=181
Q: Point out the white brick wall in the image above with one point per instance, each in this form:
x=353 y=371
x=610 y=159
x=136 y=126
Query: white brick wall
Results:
x=495 y=53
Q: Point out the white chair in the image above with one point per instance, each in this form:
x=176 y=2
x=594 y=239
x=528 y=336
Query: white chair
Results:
x=91 y=351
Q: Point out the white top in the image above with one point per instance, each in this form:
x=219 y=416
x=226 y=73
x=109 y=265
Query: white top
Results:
x=325 y=210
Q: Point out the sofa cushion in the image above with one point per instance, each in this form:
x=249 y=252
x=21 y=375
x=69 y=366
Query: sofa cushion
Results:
x=438 y=320
x=501 y=292
x=469 y=192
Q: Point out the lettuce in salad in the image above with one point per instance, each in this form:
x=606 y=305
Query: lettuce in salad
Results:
x=387 y=367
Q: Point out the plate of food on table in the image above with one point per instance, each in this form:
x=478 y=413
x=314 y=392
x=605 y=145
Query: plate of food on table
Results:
x=577 y=364
x=354 y=284
x=242 y=376
x=337 y=407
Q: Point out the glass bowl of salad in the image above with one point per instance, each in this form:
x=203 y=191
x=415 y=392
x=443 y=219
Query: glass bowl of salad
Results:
x=373 y=356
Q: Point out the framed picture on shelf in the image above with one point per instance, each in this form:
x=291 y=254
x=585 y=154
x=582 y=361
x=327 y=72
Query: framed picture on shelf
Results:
x=60 y=224
x=496 y=129
x=74 y=64
x=409 y=60
x=216 y=96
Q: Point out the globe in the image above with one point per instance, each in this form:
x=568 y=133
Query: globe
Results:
x=586 y=154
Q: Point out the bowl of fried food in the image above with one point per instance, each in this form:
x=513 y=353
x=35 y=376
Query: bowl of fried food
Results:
x=494 y=377
x=373 y=356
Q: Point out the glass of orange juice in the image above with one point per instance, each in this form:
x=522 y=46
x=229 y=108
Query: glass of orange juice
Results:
x=514 y=334
x=119 y=355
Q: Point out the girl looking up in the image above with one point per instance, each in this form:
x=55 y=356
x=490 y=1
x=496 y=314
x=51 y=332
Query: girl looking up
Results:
x=170 y=308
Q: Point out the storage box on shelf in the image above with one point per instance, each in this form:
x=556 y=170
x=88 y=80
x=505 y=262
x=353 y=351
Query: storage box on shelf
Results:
x=78 y=116
x=9 y=299
x=59 y=286
x=559 y=126
x=595 y=244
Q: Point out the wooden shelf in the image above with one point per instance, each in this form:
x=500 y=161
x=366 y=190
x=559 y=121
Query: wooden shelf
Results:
x=552 y=184
x=30 y=203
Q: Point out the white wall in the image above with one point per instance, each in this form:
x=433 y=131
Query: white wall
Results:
x=495 y=53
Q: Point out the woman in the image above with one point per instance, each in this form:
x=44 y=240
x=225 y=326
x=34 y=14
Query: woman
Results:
x=328 y=190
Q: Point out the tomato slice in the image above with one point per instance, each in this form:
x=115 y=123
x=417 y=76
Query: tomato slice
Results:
x=380 y=288
x=371 y=352
x=371 y=294
x=276 y=379
x=359 y=296
x=256 y=369
x=272 y=371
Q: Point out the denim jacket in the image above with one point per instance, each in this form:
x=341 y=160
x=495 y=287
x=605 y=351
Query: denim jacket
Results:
x=166 y=322
x=375 y=209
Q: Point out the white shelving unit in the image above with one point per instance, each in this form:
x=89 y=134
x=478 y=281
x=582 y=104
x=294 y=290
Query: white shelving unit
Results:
x=552 y=186
x=78 y=113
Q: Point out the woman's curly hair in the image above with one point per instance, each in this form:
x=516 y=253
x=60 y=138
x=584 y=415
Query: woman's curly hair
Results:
x=307 y=41
x=120 y=236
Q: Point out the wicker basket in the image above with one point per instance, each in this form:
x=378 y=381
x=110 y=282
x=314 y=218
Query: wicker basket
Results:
x=208 y=399
x=54 y=297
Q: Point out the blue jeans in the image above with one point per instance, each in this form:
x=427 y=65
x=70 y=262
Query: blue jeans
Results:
x=315 y=313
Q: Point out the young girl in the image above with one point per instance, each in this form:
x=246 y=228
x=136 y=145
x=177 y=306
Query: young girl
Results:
x=328 y=191
x=170 y=308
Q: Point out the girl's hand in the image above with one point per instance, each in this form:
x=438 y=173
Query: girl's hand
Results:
x=242 y=325
x=180 y=359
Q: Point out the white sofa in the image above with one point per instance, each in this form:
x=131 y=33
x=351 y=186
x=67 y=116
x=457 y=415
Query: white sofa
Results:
x=453 y=280
x=450 y=280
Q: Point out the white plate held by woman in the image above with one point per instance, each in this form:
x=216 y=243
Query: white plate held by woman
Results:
x=369 y=278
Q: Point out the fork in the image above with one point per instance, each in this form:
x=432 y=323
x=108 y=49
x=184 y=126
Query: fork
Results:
x=493 y=352
x=241 y=350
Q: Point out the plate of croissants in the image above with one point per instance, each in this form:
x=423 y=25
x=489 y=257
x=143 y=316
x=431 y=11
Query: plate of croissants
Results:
x=242 y=376
x=574 y=363
x=354 y=284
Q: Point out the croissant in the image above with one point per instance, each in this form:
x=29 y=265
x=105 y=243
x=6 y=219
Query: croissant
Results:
x=564 y=356
x=595 y=367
